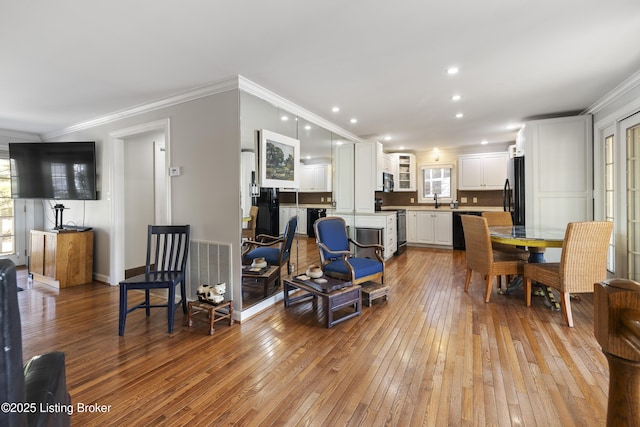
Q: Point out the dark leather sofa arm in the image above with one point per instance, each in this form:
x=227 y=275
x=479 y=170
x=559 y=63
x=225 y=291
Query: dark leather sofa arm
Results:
x=46 y=386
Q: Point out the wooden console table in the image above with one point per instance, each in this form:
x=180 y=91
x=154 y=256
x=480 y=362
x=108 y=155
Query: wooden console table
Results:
x=347 y=296
x=61 y=258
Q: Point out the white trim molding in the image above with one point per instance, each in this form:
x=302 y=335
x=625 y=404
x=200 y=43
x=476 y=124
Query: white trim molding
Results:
x=237 y=82
x=615 y=94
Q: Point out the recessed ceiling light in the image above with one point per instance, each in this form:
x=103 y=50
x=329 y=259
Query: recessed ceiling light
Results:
x=339 y=143
x=284 y=118
x=452 y=70
x=456 y=98
x=307 y=127
x=308 y=157
x=513 y=126
x=354 y=120
x=484 y=142
x=387 y=138
x=459 y=116
x=335 y=109
x=401 y=147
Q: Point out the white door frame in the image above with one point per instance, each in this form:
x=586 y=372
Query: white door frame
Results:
x=623 y=251
x=117 y=185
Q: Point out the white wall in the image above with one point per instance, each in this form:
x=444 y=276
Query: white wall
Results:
x=139 y=205
x=204 y=140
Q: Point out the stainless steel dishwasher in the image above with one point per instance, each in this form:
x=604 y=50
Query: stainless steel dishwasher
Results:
x=367 y=236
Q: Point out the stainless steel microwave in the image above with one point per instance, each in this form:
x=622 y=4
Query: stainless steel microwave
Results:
x=387 y=182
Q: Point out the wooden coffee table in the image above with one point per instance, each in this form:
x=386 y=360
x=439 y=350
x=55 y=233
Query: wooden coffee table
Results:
x=347 y=296
x=267 y=278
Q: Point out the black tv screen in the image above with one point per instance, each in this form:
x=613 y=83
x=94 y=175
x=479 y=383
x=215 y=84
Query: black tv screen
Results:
x=53 y=170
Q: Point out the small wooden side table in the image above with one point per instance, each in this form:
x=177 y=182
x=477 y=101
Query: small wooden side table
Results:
x=374 y=290
x=215 y=312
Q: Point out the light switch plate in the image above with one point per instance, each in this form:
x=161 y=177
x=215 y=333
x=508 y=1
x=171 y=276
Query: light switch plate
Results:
x=175 y=171
x=475 y=200
x=463 y=200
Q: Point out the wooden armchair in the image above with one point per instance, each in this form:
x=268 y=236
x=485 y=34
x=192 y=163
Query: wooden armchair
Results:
x=336 y=257
x=265 y=247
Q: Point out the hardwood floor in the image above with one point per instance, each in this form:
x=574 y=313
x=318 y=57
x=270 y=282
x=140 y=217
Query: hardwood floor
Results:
x=432 y=355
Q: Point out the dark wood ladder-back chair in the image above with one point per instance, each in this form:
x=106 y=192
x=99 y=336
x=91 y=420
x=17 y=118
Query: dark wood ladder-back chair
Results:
x=165 y=268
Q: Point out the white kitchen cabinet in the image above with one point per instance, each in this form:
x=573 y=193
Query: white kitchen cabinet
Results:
x=405 y=176
x=287 y=212
x=302 y=221
x=430 y=227
x=389 y=163
x=367 y=178
x=412 y=226
x=558 y=173
x=315 y=178
x=485 y=171
x=284 y=213
x=387 y=222
x=344 y=188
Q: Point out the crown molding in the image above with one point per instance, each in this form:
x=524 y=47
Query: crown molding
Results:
x=19 y=134
x=615 y=94
x=237 y=82
x=252 y=88
x=190 y=95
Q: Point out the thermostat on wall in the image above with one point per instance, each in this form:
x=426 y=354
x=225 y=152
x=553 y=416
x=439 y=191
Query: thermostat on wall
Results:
x=175 y=171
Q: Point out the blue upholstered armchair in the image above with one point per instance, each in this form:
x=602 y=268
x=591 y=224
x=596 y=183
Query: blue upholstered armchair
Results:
x=275 y=250
x=336 y=256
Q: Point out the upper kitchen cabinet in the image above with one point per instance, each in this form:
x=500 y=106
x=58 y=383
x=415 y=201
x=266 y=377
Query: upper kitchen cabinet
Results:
x=316 y=155
x=405 y=176
x=315 y=178
x=484 y=171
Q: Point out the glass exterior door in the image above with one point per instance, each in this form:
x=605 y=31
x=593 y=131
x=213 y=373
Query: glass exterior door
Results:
x=633 y=201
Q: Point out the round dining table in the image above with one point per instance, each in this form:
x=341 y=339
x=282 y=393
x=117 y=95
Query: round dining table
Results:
x=536 y=240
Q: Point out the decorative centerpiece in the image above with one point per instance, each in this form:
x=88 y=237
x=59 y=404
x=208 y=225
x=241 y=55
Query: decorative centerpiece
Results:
x=259 y=263
x=314 y=272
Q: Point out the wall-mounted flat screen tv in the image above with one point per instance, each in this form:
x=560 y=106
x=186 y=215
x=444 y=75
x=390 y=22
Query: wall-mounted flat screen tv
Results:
x=53 y=170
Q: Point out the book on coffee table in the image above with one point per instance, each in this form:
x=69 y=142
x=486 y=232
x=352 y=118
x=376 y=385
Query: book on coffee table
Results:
x=324 y=284
x=247 y=269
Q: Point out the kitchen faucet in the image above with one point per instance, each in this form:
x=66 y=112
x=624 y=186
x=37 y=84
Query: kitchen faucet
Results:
x=435 y=197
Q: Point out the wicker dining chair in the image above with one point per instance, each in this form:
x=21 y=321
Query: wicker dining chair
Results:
x=504 y=219
x=250 y=232
x=583 y=262
x=480 y=256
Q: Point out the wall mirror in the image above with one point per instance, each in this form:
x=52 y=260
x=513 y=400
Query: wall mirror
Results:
x=315 y=196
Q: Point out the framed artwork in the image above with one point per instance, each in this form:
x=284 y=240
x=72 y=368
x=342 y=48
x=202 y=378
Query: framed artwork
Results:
x=279 y=159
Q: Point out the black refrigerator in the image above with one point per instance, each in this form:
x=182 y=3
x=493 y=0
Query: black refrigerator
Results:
x=514 y=190
x=268 y=221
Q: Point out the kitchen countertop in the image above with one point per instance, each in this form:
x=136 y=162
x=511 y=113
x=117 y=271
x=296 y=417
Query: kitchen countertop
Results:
x=446 y=208
x=443 y=208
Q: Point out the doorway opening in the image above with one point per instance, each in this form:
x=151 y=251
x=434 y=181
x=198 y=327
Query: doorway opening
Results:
x=139 y=158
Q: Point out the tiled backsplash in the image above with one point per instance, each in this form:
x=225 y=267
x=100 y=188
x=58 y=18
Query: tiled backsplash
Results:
x=399 y=198
x=403 y=198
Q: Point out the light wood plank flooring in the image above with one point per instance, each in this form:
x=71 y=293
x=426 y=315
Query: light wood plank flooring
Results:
x=432 y=355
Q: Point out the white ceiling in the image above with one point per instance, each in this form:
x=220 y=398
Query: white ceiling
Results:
x=67 y=61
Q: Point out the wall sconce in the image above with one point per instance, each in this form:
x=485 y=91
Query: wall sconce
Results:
x=436 y=154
